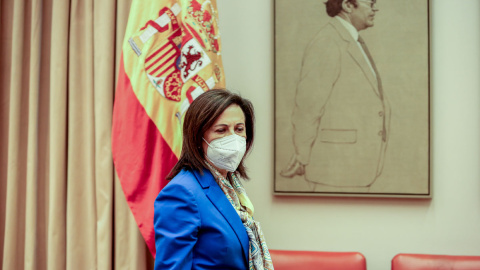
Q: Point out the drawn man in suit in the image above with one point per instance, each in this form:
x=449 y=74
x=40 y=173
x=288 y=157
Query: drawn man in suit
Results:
x=341 y=116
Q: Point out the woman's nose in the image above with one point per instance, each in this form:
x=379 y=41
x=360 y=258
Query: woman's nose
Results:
x=231 y=131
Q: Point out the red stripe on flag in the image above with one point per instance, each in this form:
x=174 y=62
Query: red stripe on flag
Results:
x=141 y=156
x=169 y=69
x=164 y=63
x=156 y=59
x=156 y=52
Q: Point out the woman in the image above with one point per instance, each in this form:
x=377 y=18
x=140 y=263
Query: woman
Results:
x=203 y=217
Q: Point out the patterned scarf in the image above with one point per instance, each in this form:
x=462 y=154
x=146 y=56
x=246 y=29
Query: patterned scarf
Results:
x=259 y=256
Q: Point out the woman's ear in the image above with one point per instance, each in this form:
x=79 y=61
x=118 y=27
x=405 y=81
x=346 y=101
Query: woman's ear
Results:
x=347 y=6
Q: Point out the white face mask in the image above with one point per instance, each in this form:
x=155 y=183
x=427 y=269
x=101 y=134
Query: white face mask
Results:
x=226 y=153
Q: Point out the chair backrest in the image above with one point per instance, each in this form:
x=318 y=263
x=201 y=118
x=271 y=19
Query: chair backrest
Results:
x=313 y=260
x=435 y=262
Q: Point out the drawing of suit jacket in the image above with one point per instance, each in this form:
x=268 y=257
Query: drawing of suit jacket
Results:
x=340 y=121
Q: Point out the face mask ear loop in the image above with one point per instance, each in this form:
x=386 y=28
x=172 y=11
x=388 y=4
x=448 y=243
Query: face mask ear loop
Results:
x=206 y=156
x=205 y=141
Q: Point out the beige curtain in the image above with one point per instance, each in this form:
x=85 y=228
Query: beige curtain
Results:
x=61 y=206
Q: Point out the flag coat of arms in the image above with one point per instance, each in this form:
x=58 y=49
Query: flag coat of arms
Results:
x=170 y=55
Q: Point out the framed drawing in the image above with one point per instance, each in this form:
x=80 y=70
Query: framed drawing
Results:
x=352 y=98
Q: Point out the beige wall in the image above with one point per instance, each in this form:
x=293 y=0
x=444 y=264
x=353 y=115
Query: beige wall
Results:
x=379 y=228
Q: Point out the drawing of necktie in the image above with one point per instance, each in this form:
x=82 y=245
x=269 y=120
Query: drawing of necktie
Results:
x=379 y=81
x=367 y=52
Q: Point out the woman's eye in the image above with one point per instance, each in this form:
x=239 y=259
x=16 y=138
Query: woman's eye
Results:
x=220 y=130
x=240 y=129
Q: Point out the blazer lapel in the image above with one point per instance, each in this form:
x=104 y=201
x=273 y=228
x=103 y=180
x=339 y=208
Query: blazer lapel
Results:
x=219 y=200
x=355 y=53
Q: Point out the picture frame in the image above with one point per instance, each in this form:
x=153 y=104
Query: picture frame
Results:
x=324 y=115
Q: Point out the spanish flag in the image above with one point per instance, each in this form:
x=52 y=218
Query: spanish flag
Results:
x=170 y=55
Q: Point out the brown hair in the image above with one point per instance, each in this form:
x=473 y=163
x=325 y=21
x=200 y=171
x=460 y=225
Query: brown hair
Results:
x=335 y=6
x=200 y=116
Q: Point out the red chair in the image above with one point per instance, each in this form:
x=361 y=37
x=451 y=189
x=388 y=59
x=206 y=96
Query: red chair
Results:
x=435 y=262
x=313 y=260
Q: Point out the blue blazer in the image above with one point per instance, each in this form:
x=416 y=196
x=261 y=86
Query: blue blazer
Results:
x=196 y=227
